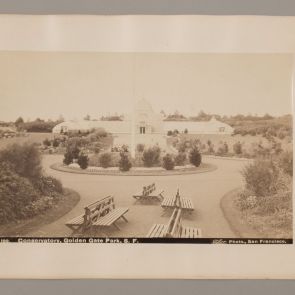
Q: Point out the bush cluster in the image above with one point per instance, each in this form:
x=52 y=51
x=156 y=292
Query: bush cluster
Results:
x=151 y=156
x=168 y=162
x=105 y=160
x=74 y=152
x=180 y=159
x=24 y=190
x=24 y=159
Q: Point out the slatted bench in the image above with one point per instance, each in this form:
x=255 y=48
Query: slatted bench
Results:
x=174 y=228
x=149 y=193
x=101 y=213
x=178 y=202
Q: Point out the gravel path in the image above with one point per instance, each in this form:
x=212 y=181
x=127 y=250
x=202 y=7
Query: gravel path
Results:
x=205 y=189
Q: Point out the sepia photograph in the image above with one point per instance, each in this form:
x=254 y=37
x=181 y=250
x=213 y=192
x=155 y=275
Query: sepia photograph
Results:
x=146 y=146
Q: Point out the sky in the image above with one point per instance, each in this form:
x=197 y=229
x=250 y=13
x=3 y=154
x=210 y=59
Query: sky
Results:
x=73 y=84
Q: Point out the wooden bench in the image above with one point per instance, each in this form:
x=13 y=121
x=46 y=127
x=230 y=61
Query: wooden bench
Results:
x=174 y=228
x=100 y=213
x=149 y=193
x=178 y=202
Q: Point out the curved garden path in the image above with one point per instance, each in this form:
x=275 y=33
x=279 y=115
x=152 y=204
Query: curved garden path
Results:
x=205 y=189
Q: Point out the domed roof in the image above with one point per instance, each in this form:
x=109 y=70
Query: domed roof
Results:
x=143 y=106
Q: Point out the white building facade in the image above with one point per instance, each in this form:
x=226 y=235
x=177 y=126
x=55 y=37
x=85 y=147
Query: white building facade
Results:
x=144 y=126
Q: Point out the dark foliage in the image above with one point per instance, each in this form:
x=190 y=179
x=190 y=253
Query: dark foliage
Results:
x=151 y=156
x=261 y=177
x=195 y=157
x=105 y=160
x=124 y=162
x=180 y=159
x=168 y=162
x=24 y=159
x=83 y=161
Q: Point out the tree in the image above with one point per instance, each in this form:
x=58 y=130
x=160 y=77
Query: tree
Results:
x=105 y=160
x=24 y=159
x=195 y=157
x=185 y=131
x=19 y=123
x=83 y=161
x=168 y=162
x=124 y=162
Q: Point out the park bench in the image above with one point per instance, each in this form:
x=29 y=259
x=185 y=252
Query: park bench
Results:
x=178 y=202
x=101 y=213
x=174 y=228
x=149 y=193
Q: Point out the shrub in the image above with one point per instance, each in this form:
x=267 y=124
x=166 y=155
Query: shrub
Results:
x=97 y=148
x=237 y=147
x=180 y=159
x=73 y=149
x=96 y=135
x=48 y=185
x=124 y=162
x=168 y=162
x=100 y=132
x=169 y=133
x=68 y=158
x=195 y=157
x=261 y=177
x=46 y=142
x=222 y=150
x=105 y=160
x=182 y=146
x=124 y=148
x=246 y=200
x=211 y=149
x=55 y=143
x=24 y=159
x=83 y=161
x=151 y=156
x=185 y=131
x=16 y=194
